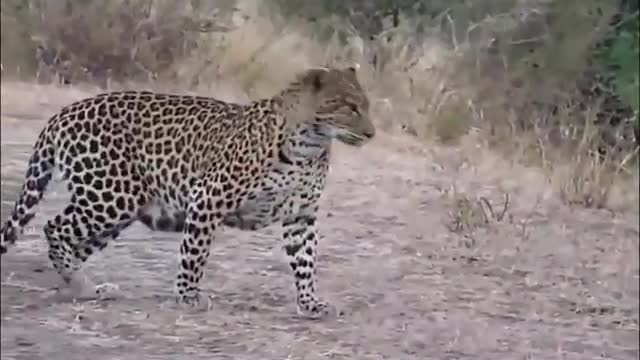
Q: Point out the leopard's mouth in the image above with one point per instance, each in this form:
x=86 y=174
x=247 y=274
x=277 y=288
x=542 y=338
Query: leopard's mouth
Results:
x=352 y=139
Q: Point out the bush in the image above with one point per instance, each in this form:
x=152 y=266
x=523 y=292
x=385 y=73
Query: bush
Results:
x=92 y=40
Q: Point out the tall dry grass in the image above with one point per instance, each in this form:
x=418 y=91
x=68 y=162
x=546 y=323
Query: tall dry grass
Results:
x=495 y=83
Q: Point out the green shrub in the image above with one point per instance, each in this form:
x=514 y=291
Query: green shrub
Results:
x=623 y=58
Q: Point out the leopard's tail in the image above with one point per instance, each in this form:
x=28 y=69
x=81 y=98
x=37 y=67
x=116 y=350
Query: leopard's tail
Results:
x=39 y=174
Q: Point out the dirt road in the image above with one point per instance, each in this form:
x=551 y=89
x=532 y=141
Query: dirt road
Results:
x=549 y=282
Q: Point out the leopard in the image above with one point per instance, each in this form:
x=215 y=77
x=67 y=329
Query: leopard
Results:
x=193 y=165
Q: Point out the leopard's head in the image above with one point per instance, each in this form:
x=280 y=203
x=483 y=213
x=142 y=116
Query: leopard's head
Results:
x=334 y=99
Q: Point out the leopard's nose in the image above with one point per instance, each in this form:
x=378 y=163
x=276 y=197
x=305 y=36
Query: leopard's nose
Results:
x=369 y=132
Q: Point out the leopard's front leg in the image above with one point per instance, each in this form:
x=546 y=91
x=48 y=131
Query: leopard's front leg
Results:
x=300 y=243
x=203 y=217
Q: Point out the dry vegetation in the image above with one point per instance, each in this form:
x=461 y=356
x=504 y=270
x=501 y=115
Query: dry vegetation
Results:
x=508 y=80
x=501 y=135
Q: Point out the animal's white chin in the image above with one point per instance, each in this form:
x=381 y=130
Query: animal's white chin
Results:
x=342 y=135
x=350 y=139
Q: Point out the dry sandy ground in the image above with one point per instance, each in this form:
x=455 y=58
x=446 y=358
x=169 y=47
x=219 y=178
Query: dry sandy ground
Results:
x=550 y=282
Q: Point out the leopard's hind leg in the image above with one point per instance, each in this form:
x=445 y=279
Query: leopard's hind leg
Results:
x=100 y=208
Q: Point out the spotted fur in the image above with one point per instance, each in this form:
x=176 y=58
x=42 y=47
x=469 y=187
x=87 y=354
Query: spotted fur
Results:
x=193 y=165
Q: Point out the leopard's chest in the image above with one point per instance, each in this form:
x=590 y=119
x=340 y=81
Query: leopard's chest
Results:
x=285 y=192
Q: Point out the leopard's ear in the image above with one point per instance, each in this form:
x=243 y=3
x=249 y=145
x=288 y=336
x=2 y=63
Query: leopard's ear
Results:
x=353 y=68
x=315 y=78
